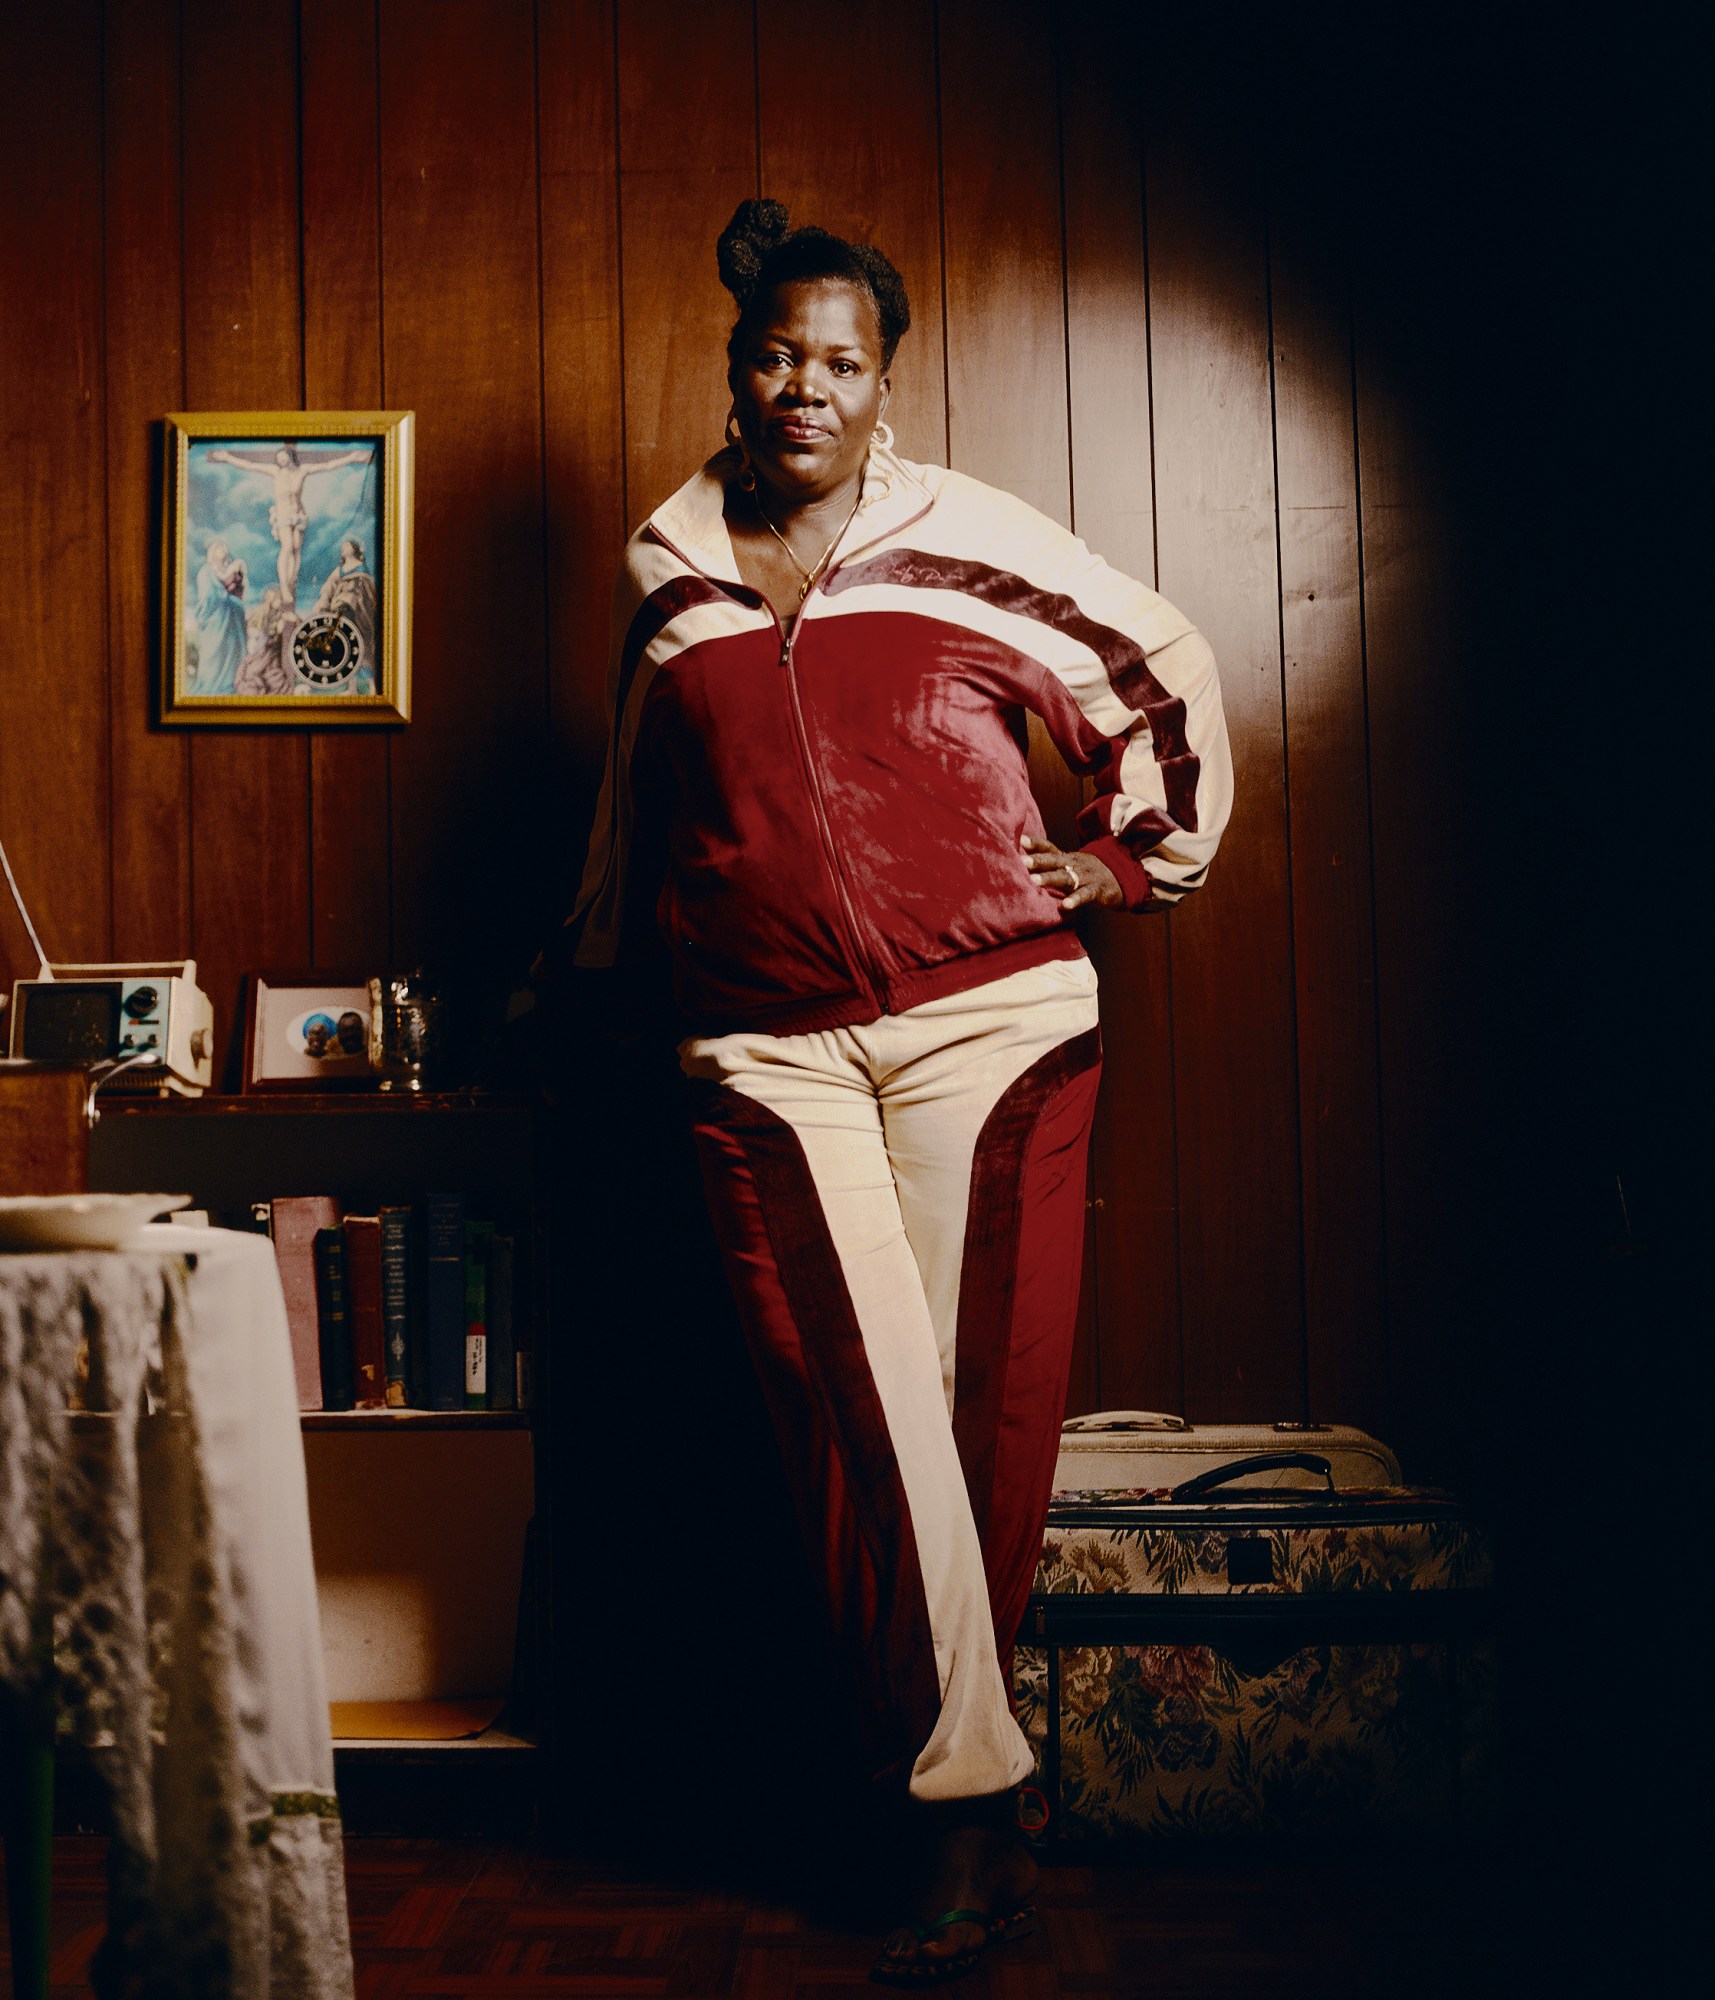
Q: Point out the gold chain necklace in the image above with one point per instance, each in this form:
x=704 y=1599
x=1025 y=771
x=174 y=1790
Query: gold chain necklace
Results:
x=809 y=575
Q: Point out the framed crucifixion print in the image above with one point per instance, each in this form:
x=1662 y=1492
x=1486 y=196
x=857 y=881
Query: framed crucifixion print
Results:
x=286 y=575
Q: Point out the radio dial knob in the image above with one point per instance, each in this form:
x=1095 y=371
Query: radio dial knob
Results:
x=199 y=1044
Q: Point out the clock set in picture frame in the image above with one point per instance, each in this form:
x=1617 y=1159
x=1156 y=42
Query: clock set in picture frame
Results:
x=286 y=584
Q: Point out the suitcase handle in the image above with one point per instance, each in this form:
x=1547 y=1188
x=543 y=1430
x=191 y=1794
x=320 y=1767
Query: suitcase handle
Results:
x=1204 y=1485
x=1123 y=1420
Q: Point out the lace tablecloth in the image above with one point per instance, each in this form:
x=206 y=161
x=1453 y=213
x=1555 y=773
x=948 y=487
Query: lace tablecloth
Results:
x=158 y=1602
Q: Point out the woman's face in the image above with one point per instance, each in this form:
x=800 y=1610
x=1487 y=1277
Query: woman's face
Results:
x=808 y=389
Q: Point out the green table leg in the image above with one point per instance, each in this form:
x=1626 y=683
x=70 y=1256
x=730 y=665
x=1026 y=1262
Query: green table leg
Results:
x=27 y=1799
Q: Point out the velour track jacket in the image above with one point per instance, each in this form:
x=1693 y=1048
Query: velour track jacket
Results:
x=825 y=825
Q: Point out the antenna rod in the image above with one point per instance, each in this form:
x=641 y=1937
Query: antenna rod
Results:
x=44 y=970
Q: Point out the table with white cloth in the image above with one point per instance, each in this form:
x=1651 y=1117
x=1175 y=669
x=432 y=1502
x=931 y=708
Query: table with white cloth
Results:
x=158 y=1604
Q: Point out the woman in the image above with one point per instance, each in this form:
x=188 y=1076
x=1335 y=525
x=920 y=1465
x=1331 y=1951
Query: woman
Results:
x=817 y=789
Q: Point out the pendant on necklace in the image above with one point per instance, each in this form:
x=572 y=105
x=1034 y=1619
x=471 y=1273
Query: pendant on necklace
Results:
x=809 y=575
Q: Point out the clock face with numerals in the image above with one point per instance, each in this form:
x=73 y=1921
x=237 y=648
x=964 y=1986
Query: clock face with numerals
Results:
x=325 y=652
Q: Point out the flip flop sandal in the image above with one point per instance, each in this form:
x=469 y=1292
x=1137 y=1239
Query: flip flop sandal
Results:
x=1014 y=1924
x=890 y=1971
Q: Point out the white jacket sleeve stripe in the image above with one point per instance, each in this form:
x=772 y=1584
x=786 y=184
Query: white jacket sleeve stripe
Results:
x=599 y=913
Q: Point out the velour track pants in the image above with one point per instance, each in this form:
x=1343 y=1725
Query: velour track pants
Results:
x=901 y=1209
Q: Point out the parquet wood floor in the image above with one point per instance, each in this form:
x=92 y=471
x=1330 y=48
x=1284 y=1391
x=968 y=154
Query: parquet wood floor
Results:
x=449 y=1920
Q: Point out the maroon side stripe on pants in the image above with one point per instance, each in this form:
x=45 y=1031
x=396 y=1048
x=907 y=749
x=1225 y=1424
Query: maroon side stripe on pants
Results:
x=1018 y=1303
x=808 y=1348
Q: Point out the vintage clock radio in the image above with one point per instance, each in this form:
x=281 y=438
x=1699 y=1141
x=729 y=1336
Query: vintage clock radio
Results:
x=152 y=1020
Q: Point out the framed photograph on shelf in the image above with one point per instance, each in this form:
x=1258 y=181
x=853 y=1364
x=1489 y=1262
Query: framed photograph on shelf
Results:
x=307 y=1030
x=286 y=568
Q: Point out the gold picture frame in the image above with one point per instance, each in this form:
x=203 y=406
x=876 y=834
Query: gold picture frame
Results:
x=286 y=568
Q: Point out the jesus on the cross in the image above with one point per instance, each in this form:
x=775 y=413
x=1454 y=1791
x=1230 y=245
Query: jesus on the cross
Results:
x=289 y=469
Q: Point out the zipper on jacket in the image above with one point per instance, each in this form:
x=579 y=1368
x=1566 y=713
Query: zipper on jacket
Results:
x=862 y=964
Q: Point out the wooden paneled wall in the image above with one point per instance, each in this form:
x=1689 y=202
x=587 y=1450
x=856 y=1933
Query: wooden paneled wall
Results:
x=1141 y=303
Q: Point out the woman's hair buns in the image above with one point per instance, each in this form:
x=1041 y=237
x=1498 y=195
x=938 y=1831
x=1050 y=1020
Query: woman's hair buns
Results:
x=759 y=250
x=756 y=228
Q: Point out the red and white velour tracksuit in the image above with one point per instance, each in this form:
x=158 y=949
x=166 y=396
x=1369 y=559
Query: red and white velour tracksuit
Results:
x=892 y=1027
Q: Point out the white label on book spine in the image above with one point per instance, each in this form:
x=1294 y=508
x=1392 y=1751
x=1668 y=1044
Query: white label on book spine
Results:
x=476 y=1364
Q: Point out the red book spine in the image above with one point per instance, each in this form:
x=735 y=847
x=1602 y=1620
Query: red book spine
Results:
x=368 y=1321
x=293 y=1223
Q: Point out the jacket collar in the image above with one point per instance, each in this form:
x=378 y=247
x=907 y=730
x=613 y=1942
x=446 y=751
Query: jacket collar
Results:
x=692 y=522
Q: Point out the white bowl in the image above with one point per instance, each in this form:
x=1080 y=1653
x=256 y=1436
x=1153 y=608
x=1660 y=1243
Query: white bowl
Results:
x=79 y=1221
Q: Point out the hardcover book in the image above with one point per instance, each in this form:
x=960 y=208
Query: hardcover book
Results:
x=444 y=1301
x=417 y=1392
x=502 y=1350
x=395 y=1304
x=334 y=1315
x=478 y=1238
x=363 y=1288
x=293 y=1223
x=523 y=1334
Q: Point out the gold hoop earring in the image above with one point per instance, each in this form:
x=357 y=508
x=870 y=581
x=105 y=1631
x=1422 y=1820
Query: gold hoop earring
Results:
x=883 y=435
x=746 y=471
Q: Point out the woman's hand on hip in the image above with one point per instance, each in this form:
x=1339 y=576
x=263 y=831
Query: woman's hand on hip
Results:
x=1076 y=878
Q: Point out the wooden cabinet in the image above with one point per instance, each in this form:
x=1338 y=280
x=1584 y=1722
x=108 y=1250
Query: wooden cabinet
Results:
x=431 y=1532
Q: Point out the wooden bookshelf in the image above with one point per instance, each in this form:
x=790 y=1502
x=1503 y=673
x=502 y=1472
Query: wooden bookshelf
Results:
x=362 y=1147
x=486 y=1786
x=414 y=1420
x=228 y=1152
x=272 y=1103
x=493 y=1741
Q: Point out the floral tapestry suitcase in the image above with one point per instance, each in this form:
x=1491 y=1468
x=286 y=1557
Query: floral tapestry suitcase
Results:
x=1225 y=1657
x=1150 y=1448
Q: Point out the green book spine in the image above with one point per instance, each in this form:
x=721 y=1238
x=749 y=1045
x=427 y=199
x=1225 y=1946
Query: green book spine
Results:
x=478 y=1236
